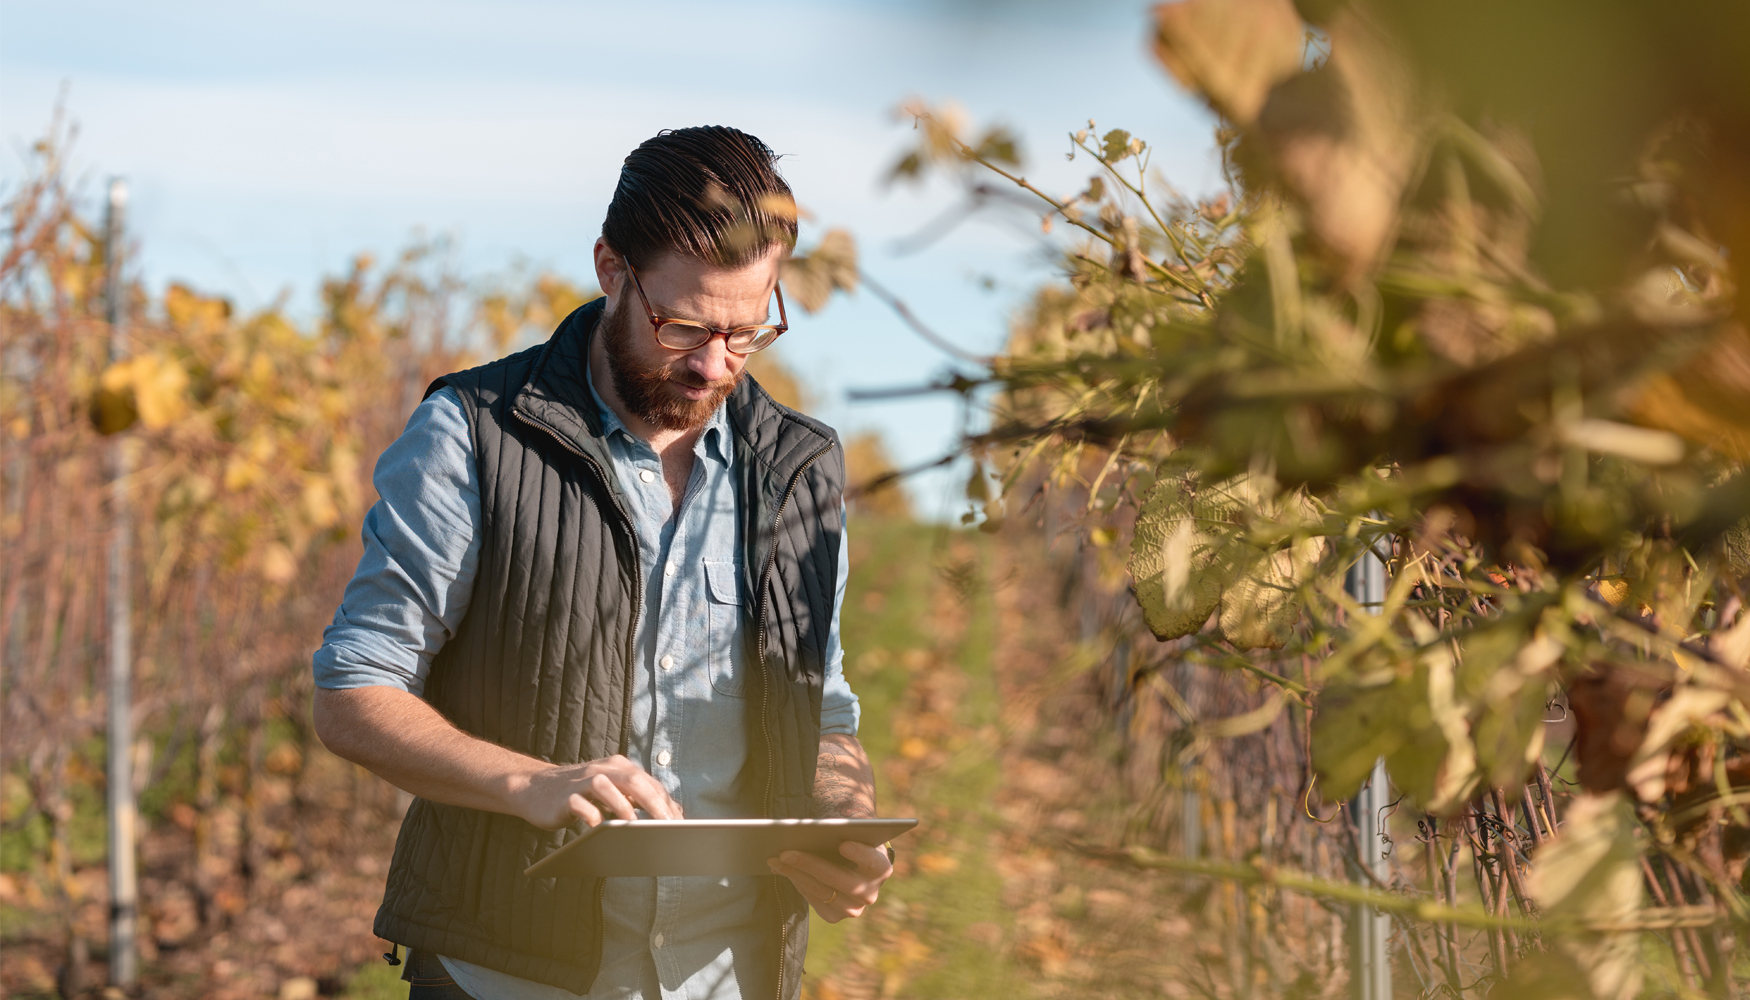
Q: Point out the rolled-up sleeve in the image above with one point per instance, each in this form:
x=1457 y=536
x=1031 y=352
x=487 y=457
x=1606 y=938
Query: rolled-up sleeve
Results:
x=421 y=551
x=839 y=711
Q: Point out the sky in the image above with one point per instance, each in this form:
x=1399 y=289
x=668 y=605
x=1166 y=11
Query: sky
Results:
x=266 y=144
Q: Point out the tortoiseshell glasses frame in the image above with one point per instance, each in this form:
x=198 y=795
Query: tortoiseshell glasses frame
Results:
x=689 y=335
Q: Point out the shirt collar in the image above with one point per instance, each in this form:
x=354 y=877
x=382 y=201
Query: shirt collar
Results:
x=713 y=443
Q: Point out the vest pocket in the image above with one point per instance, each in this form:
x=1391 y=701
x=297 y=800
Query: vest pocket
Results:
x=723 y=627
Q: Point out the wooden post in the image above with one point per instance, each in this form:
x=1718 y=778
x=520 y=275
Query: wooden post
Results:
x=124 y=969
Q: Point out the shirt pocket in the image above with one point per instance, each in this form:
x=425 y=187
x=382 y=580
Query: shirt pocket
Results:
x=725 y=652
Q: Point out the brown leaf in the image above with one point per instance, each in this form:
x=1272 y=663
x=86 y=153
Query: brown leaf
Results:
x=1230 y=51
x=1707 y=400
x=1344 y=139
x=831 y=266
x=1611 y=707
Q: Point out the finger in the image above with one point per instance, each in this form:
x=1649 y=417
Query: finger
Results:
x=824 y=870
x=603 y=790
x=584 y=809
x=870 y=861
x=828 y=901
x=641 y=788
x=834 y=903
x=815 y=872
x=651 y=796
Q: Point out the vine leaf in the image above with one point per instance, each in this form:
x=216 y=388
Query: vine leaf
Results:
x=1193 y=554
x=1416 y=722
x=1230 y=51
x=1173 y=558
x=150 y=388
x=830 y=267
x=1261 y=607
x=1591 y=872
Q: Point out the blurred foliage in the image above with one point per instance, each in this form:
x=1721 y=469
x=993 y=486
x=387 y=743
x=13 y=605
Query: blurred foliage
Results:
x=1468 y=303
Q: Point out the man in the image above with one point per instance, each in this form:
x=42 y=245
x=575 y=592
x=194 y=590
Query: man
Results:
x=604 y=578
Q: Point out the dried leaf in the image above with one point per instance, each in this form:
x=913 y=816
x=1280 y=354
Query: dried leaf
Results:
x=831 y=266
x=1591 y=871
x=1230 y=51
x=1687 y=707
x=1345 y=139
x=1707 y=400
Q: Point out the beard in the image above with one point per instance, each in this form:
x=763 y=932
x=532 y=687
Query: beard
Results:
x=649 y=390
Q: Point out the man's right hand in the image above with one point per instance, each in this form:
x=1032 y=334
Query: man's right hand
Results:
x=404 y=740
x=559 y=796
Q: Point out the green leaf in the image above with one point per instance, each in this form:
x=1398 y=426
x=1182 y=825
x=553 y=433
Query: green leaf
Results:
x=998 y=146
x=909 y=167
x=1356 y=725
x=1260 y=608
x=1180 y=531
x=1116 y=145
x=1412 y=720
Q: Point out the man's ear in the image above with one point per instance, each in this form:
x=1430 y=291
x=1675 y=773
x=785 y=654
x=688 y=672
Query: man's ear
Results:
x=610 y=269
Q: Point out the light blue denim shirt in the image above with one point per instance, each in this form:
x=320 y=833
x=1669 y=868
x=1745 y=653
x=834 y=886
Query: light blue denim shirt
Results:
x=669 y=937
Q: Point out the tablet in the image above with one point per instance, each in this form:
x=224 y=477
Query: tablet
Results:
x=620 y=847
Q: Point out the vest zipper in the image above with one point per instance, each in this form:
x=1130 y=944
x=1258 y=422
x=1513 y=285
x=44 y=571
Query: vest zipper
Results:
x=766 y=701
x=631 y=654
x=637 y=572
x=631 y=636
x=765 y=609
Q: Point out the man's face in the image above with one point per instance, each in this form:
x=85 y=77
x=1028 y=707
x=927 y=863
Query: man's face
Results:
x=679 y=390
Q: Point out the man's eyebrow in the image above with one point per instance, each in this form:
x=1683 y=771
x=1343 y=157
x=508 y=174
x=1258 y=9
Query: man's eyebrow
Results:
x=661 y=311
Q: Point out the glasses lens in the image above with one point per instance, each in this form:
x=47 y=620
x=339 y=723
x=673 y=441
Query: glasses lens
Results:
x=753 y=339
x=681 y=336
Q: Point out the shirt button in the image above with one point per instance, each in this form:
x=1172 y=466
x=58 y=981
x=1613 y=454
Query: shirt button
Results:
x=668 y=570
x=656 y=942
x=646 y=476
x=663 y=758
x=667 y=663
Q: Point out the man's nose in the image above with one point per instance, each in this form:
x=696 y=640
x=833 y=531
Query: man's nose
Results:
x=710 y=361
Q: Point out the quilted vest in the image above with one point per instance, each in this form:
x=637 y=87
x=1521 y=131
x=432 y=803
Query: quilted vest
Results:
x=543 y=661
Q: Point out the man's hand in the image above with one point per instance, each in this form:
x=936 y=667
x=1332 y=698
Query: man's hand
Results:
x=559 y=796
x=401 y=738
x=844 y=786
x=834 y=891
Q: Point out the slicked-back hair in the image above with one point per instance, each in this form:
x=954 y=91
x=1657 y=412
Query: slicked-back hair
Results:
x=709 y=192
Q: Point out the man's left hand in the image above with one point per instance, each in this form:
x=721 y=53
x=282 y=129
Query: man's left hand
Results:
x=836 y=892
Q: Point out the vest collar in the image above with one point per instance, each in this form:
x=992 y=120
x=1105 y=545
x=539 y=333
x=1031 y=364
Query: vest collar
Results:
x=777 y=441
x=555 y=395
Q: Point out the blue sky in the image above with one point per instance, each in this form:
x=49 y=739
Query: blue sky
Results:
x=266 y=143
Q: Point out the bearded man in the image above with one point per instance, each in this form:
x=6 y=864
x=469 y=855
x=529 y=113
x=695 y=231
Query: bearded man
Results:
x=604 y=579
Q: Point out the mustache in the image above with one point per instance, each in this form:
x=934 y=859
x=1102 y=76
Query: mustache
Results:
x=682 y=376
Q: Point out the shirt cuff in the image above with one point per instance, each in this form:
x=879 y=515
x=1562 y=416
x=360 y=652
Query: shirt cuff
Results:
x=361 y=657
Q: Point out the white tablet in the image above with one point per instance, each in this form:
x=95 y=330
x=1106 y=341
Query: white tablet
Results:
x=621 y=847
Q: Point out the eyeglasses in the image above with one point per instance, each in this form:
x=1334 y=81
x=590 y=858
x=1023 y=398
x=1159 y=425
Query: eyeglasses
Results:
x=687 y=335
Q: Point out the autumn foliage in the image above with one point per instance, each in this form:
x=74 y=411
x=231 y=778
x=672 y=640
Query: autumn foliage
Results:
x=1469 y=305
